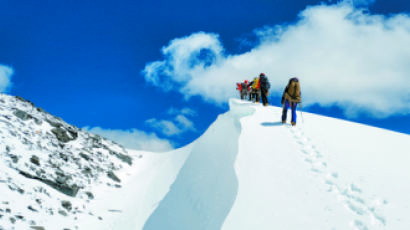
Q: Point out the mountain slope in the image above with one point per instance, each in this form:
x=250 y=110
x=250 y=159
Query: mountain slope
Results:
x=324 y=173
x=50 y=169
x=247 y=171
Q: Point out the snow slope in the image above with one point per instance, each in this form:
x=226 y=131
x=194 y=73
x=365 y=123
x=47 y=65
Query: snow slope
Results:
x=324 y=173
x=248 y=171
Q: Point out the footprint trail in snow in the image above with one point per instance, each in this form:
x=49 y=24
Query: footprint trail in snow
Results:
x=350 y=194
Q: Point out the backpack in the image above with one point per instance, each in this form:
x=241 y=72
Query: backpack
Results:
x=293 y=90
x=264 y=83
x=255 y=84
x=238 y=86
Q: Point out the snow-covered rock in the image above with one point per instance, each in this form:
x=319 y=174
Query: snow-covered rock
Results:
x=48 y=168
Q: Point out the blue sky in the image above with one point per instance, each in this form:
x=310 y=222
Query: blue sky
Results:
x=84 y=61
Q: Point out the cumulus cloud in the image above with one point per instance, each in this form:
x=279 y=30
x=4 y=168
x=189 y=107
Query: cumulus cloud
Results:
x=179 y=124
x=183 y=111
x=5 y=78
x=184 y=57
x=343 y=56
x=134 y=139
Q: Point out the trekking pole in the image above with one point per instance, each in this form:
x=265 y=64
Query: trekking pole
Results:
x=301 y=108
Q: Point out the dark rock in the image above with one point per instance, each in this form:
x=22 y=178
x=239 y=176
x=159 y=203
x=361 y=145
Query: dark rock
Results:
x=41 y=110
x=14 y=158
x=8 y=149
x=67 y=205
x=90 y=195
x=54 y=124
x=84 y=156
x=61 y=135
x=12 y=220
x=113 y=177
x=73 y=133
x=87 y=171
x=63 y=156
x=125 y=158
x=62 y=212
x=69 y=190
x=20 y=217
x=22 y=115
x=32 y=209
x=35 y=160
x=40 y=172
x=37 y=227
x=24 y=100
x=20 y=190
x=100 y=218
x=12 y=188
x=8 y=210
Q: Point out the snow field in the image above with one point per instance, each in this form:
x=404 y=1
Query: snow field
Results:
x=247 y=171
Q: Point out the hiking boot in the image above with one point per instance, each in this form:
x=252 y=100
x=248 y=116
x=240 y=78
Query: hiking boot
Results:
x=293 y=123
x=283 y=122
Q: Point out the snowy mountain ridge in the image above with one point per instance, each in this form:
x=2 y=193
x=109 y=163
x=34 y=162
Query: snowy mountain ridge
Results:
x=48 y=167
x=247 y=171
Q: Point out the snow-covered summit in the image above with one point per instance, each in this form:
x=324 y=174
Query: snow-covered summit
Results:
x=247 y=171
x=48 y=168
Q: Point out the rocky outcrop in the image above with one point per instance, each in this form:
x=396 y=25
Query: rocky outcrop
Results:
x=63 y=158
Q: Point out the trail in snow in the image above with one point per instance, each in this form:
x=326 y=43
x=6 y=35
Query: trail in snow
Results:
x=351 y=195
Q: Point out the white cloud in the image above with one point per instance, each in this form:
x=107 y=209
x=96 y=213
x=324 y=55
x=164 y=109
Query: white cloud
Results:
x=134 y=139
x=168 y=128
x=183 y=57
x=342 y=55
x=184 y=111
x=178 y=125
x=185 y=123
x=5 y=78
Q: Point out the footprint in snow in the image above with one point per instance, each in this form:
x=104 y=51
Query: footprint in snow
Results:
x=359 y=225
x=351 y=195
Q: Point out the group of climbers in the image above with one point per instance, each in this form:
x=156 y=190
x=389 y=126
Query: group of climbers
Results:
x=258 y=89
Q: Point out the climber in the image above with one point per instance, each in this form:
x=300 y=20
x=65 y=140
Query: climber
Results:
x=290 y=98
x=264 y=88
x=255 y=90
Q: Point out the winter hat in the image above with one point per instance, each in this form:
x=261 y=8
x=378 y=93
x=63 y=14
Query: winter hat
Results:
x=262 y=74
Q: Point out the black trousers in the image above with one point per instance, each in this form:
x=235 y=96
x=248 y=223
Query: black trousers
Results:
x=244 y=94
x=264 y=95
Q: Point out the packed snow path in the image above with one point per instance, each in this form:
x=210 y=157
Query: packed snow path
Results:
x=322 y=174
